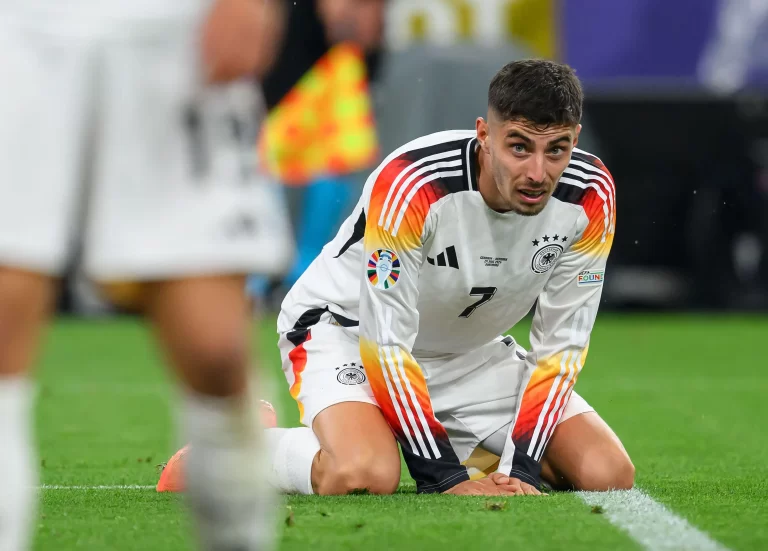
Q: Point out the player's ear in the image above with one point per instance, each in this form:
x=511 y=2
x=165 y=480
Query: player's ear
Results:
x=482 y=133
x=576 y=138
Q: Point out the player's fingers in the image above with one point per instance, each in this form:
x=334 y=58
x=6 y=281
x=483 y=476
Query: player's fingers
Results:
x=530 y=490
x=510 y=489
x=487 y=486
x=499 y=478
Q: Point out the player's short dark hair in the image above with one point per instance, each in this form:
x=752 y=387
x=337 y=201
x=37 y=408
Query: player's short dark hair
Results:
x=541 y=92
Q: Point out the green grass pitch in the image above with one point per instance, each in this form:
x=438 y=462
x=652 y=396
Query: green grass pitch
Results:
x=687 y=395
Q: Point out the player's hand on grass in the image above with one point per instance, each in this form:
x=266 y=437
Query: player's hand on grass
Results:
x=514 y=485
x=480 y=487
x=239 y=38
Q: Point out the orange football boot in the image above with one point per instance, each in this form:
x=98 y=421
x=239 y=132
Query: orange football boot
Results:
x=172 y=477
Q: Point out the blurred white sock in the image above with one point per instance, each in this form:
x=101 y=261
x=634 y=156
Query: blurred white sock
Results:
x=291 y=453
x=225 y=474
x=18 y=471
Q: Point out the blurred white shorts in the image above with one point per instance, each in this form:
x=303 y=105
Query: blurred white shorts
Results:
x=474 y=395
x=108 y=139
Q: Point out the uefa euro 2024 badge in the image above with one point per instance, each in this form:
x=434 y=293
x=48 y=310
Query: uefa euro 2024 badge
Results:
x=383 y=269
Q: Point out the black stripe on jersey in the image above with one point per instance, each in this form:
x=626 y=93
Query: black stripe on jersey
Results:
x=526 y=468
x=451 y=184
x=300 y=331
x=358 y=232
x=344 y=321
x=592 y=170
x=585 y=157
x=569 y=174
x=568 y=193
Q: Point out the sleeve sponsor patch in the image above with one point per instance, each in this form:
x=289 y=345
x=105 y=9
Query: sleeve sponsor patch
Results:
x=590 y=278
x=383 y=269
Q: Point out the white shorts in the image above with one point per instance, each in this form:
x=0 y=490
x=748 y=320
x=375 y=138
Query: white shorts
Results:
x=474 y=395
x=108 y=137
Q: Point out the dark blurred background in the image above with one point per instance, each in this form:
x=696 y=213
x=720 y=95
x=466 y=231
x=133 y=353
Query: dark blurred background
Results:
x=677 y=108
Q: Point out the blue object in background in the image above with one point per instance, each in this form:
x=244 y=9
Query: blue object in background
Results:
x=324 y=206
x=607 y=41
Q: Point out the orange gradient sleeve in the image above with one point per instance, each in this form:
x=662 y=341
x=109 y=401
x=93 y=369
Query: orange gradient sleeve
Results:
x=560 y=332
x=397 y=220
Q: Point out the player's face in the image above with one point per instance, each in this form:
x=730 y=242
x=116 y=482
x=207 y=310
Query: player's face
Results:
x=525 y=161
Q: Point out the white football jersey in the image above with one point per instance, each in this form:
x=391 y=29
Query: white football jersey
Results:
x=423 y=268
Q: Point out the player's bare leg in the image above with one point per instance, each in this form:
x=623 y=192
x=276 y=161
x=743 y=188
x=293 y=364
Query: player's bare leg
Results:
x=585 y=454
x=25 y=303
x=357 y=451
x=203 y=324
x=26 y=299
x=350 y=447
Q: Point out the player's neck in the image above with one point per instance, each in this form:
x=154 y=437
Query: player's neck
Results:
x=485 y=184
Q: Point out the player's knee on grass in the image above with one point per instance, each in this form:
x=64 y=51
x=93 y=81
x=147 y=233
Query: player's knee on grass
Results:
x=363 y=472
x=358 y=451
x=585 y=454
x=605 y=469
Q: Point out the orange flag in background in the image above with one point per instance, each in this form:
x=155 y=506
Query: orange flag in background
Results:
x=324 y=126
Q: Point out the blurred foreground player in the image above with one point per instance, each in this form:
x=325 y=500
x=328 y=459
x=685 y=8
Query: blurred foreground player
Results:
x=128 y=122
x=393 y=333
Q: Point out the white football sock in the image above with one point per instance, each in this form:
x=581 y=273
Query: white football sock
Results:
x=291 y=453
x=18 y=472
x=225 y=474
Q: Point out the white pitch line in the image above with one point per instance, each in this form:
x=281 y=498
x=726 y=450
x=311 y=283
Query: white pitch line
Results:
x=113 y=487
x=649 y=523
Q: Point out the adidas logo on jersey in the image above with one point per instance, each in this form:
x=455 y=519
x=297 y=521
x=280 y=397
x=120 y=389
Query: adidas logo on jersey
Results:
x=449 y=254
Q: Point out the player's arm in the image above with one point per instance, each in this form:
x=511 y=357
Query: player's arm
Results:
x=389 y=322
x=560 y=334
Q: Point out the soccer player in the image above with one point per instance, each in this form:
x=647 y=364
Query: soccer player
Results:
x=129 y=121
x=393 y=333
